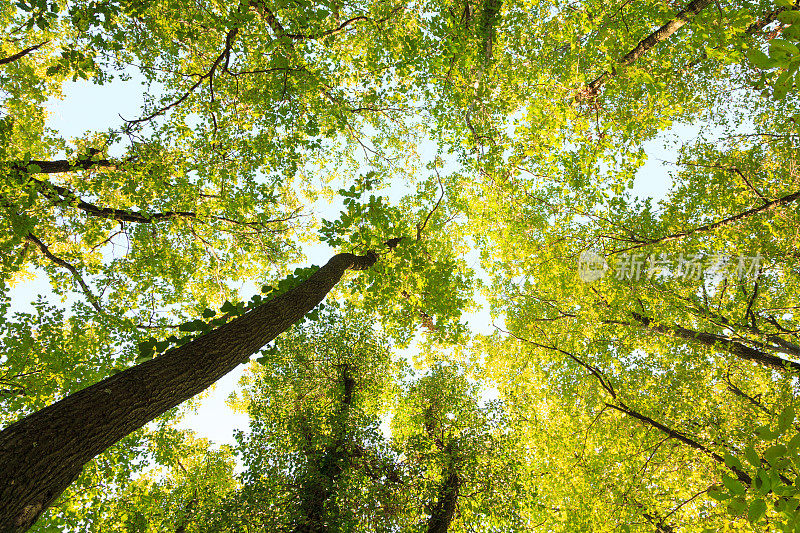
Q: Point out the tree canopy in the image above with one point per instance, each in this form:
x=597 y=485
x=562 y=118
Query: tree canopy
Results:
x=563 y=285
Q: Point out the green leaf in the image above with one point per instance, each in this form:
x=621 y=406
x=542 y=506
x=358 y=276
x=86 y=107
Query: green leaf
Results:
x=193 y=325
x=756 y=510
x=752 y=456
x=737 y=506
x=141 y=359
x=732 y=461
x=146 y=348
x=774 y=452
x=789 y=17
x=785 y=420
x=21 y=224
x=762 y=482
x=780 y=89
x=784 y=45
x=760 y=59
x=733 y=485
x=162 y=346
x=209 y=313
x=794 y=443
x=719 y=494
x=793 y=31
x=765 y=433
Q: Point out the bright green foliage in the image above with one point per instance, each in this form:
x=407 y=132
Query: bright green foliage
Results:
x=480 y=149
x=451 y=441
x=314 y=455
x=181 y=495
x=784 y=54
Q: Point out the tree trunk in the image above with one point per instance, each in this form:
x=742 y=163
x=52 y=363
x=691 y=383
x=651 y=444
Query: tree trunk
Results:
x=43 y=453
x=327 y=468
x=445 y=508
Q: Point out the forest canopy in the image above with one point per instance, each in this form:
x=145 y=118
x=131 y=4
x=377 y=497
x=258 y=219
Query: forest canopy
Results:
x=560 y=285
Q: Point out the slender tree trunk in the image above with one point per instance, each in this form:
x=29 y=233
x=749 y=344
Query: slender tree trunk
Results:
x=318 y=489
x=43 y=453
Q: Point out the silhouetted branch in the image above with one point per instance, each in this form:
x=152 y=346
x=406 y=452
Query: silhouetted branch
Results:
x=74 y=271
x=21 y=53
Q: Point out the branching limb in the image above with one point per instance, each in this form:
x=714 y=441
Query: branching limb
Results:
x=421 y=227
x=685 y=16
x=618 y=405
x=223 y=56
x=62 y=165
x=58 y=193
x=772 y=204
x=74 y=271
x=719 y=342
x=62 y=194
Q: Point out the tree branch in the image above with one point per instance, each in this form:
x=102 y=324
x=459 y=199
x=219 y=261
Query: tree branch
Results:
x=74 y=271
x=224 y=55
x=21 y=53
x=61 y=165
x=58 y=193
x=718 y=341
x=772 y=204
x=620 y=406
x=664 y=32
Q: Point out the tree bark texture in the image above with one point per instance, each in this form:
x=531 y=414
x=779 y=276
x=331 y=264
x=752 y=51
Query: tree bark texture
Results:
x=43 y=453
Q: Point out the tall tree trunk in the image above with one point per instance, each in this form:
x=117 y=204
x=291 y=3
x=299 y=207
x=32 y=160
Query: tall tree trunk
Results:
x=318 y=489
x=43 y=453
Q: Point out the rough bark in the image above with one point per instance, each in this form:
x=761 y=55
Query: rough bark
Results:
x=43 y=453
x=661 y=34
